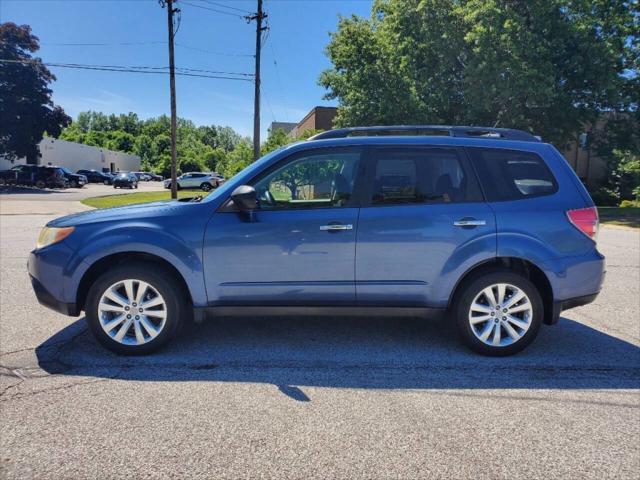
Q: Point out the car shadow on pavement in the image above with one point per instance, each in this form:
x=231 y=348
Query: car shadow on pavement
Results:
x=353 y=353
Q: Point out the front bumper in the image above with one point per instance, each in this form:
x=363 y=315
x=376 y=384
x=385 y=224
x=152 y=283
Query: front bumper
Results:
x=47 y=270
x=46 y=299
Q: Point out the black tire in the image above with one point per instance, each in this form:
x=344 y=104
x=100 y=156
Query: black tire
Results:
x=40 y=184
x=468 y=292
x=106 y=182
x=158 y=278
x=206 y=187
x=178 y=187
x=3 y=182
x=73 y=184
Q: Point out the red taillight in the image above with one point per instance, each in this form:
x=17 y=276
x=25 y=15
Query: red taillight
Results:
x=585 y=220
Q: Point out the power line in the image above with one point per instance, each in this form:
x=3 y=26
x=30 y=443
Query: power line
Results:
x=185 y=72
x=212 y=9
x=246 y=12
x=204 y=50
x=181 y=45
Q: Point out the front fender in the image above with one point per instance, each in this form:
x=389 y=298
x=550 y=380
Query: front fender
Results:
x=142 y=238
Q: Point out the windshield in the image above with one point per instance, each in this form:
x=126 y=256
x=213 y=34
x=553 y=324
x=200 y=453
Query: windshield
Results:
x=66 y=170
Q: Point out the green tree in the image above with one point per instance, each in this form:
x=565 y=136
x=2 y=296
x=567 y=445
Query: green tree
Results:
x=27 y=111
x=546 y=66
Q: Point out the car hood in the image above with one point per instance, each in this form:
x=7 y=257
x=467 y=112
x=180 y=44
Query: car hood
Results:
x=130 y=212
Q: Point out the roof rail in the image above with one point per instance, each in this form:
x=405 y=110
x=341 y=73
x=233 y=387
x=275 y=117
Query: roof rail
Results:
x=429 y=130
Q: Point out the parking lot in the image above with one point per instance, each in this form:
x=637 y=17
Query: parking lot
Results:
x=315 y=398
x=30 y=200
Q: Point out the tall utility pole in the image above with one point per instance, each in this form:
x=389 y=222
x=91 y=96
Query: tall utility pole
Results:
x=258 y=17
x=172 y=86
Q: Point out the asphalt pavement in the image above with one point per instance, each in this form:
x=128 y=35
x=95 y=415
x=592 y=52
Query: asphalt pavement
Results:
x=320 y=398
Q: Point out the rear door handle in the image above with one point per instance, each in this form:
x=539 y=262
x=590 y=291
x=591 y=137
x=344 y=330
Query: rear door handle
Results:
x=336 y=227
x=469 y=222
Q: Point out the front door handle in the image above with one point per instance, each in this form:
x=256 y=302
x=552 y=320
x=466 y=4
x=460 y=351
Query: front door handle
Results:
x=469 y=222
x=336 y=227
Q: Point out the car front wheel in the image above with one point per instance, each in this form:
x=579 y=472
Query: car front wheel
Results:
x=135 y=309
x=499 y=313
x=205 y=187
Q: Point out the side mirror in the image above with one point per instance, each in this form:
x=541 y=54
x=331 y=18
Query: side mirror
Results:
x=245 y=198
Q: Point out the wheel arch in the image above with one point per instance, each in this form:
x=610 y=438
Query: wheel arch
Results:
x=105 y=263
x=518 y=265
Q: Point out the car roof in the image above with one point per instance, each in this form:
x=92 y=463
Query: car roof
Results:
x=418 y=140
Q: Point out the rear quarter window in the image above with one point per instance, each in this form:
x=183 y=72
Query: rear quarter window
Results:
x=512 y=174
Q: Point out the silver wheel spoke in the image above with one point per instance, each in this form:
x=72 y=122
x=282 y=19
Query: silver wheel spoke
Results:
x=480 y=319
x=487 y=331
x=142 y=289
x=150 y=329
x=501 y=291
x=115 y=297
x=156 y=313
x=510 y=330
x=478 y=307
x=105 y=307
x=128 y=287
x=520 y=308
x=123 y=330
x=497 y=335
x=154 y=302
x=488 y=293
x=517 y=296
x=139 y=336
x=113 y=323
x=517 y=322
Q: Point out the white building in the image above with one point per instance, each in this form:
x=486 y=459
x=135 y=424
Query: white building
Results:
x=76 y=156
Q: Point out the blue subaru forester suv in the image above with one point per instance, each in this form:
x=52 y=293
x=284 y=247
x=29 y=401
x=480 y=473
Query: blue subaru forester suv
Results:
x=489 y=227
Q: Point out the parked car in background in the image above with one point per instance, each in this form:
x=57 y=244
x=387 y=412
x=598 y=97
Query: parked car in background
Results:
x=487 y=227
x=203 y=181
x=155 y=178
x=142 y=176
x=125 y=180
x=34 y=175
x=94 y=176
x=76 y=180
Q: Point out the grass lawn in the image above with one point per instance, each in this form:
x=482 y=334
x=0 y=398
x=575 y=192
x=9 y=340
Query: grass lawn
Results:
x=629 y=217
x=108 y=201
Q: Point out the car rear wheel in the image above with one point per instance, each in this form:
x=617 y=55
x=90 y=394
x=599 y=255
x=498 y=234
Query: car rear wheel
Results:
x=73 y=184
x=3 y=182
x=40 y=184
x=499 y=313
x=205 y=187
x=135 y=309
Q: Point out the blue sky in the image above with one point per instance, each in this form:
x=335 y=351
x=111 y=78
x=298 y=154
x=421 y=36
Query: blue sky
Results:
x=297 y=38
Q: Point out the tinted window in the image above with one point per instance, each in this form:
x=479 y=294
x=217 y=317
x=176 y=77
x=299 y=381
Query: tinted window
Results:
x=316 y=180
x=511 y=174
x=428 y=175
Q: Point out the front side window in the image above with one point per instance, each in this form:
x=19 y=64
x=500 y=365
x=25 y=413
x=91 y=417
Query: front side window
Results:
x=321 y=179
x=427 y=175
x=512 y=174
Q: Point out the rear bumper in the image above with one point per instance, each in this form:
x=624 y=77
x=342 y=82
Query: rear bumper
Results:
x=561 y=306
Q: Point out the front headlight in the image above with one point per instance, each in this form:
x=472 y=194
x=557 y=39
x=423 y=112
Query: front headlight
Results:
x=51 y=235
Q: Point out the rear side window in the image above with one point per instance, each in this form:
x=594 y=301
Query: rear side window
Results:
x=422 y=175
x=512 y=174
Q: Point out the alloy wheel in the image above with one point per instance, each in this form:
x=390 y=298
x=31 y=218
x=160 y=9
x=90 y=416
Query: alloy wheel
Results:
x=132 y=312
x=500 y=315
